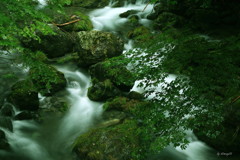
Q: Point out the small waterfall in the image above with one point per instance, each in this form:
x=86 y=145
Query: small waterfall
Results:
x=107 y=18
x=53 y=139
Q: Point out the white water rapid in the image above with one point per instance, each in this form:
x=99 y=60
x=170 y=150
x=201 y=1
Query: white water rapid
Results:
x=53 y=139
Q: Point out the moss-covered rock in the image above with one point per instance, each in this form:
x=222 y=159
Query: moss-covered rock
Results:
x=101 y=91
x=135 y=95
x=123 y=104
x=116 y=142
x=139 y=34
x=96 y=46
x=68 y=58
x=47 y=79
x=133 y=21
x=82 y=22
x=113 y=114
x=53 y=46
x=168 y=19
x=54 y=104
x=24 y=95
x=118 y=74
x=128 y=13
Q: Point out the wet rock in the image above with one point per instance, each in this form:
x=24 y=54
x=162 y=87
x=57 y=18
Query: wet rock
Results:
x=55 y=106
x=96 y=46
x=7 y=110
x=101 y=91
x=3 y=141
x=118 y=74
x=24 y=95
x=133 y=21
x=116 y=142
x=128 y=13
x=135 y=95
x=6 y=123
x=47 y=80
x=24 y=115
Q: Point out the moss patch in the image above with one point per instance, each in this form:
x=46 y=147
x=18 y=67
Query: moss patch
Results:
x=111 y=143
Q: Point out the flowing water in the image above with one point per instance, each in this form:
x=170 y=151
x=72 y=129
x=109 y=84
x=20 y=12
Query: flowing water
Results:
x=53 y=139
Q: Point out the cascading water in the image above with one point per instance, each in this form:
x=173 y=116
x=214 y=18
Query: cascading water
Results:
x=52 y=140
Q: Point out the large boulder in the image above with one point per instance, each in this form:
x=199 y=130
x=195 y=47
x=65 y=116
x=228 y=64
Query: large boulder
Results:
x=47 y=79
x=24 y=95
x=118 y=74
x=115 y=142
x=101 y=91
x=96 y=46
x=54 y=45
x=80 y=21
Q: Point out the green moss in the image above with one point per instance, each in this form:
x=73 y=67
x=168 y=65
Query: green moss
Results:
x=84 y=24
x=128 y=13
x=116 y=72
x=67 y=58
x=140 y=34
x=24 y=95
x=168 y=20
x=100 y=91
x=111 y=143
x=47 y=79
x=124 y=104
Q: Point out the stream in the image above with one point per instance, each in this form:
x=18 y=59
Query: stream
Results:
x=53 y=139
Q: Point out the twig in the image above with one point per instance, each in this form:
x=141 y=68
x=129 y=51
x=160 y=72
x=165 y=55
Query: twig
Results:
x=64 y=24
x=235 y=99
x=146 y=6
